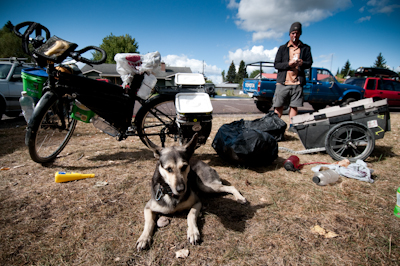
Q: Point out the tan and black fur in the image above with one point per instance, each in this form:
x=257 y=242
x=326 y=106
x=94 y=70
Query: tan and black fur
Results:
x=176 y=178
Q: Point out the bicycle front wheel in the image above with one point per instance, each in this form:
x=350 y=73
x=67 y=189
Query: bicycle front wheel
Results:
x=51 y=128
x=156 y=121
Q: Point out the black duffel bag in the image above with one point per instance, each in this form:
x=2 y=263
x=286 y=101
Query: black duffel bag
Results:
x=239 y=144
x=270 y=123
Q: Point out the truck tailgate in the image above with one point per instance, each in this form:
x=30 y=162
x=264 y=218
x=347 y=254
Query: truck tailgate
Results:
x=250 y=86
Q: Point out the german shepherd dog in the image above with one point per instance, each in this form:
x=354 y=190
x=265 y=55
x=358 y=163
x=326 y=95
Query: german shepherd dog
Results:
x=176 y=179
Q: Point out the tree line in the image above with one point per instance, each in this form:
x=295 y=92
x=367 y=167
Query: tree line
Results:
x=346 y=70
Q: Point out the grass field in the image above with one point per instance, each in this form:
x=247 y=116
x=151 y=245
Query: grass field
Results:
x=97 y=221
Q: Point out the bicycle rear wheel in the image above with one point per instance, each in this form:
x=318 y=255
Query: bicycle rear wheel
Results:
x=51 y=128
x=156 y=121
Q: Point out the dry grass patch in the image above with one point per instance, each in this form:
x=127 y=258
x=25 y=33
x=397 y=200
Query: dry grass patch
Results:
x=79 y=223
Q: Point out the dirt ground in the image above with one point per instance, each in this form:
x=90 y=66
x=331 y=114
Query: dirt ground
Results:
x=289 y=220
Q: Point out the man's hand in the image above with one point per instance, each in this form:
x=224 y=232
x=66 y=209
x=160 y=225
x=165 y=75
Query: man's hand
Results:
x=293 y=63
x=299 y=62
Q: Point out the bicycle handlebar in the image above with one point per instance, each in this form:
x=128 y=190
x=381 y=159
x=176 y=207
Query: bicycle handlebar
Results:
x=39 y=41
x=31 y=27
x=77 y=55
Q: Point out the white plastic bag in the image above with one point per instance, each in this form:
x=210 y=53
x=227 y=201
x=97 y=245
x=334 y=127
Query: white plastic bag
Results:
x=129 y=64
x=147 y=86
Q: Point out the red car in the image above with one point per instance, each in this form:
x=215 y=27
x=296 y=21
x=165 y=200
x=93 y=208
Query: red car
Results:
x=378 y=83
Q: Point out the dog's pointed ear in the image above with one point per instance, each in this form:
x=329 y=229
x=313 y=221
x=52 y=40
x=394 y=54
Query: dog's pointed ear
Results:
x=156 y=149
x=191 y=145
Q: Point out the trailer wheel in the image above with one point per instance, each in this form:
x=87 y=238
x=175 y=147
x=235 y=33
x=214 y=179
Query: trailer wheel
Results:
x=347 y=101
x=349 y=140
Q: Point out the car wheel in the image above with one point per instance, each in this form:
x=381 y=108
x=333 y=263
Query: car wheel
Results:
x=264 y=106
x=13 y=114
x=2 y=109
x=347 y=101
x=318 y=106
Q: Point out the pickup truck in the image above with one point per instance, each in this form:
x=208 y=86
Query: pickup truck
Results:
x=321 y=89
x=379 y=83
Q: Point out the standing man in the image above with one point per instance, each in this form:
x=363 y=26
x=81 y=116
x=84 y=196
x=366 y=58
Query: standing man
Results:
x=291 y=60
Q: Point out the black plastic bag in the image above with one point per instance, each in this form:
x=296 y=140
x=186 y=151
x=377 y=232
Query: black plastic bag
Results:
x=270 y=123
x=238 y=144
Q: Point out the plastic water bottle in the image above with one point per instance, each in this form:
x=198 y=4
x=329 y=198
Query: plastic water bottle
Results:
x=99 y=123
x=27 y=105
x=326 y=177
x=397 y=207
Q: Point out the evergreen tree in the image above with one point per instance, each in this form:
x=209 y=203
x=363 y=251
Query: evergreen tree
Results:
x=116 y=44
x=380 y=61
x=346 y=69
x=241 y=74
x=223 y=75
x=10 y=44
x=230 y=77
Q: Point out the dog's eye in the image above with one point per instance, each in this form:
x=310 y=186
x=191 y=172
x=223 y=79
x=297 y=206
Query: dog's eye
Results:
x=183 y=169
x=169 y=169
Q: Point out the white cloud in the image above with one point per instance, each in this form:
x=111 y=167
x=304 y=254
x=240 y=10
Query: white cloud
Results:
x=232 y=4
x=255 y=54
x=212 y=72
x=367 y=18
x=382 y=6
x=270 y=19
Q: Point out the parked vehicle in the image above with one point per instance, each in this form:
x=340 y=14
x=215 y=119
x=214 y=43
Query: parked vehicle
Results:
x=11 y=85
x=321 y=89
x=378 y=83
x=68 y=98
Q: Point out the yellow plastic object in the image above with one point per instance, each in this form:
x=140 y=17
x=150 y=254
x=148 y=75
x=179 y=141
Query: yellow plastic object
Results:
x=65 y=177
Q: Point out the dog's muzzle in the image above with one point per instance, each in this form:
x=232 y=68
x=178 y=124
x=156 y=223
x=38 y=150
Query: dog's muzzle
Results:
x=180 y=188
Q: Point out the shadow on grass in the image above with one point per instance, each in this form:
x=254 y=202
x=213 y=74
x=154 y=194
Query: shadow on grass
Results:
x=126 y=158
x=214 y=160
x=231 y=213
x=381 y=153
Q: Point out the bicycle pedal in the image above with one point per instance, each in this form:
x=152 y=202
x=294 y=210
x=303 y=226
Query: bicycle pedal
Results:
x=131 y=131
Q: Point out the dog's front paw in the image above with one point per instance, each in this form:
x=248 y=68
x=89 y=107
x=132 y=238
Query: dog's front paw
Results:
x=143 y=243
x=241 y=200
x=193 y=235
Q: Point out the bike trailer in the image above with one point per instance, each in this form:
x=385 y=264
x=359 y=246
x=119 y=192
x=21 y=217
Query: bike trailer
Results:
x=194 y=114
x=312 y=128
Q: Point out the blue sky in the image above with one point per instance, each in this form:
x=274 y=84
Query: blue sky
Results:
x=210 y=34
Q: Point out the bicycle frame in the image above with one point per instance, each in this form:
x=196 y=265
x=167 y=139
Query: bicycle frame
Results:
x=111 y=102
